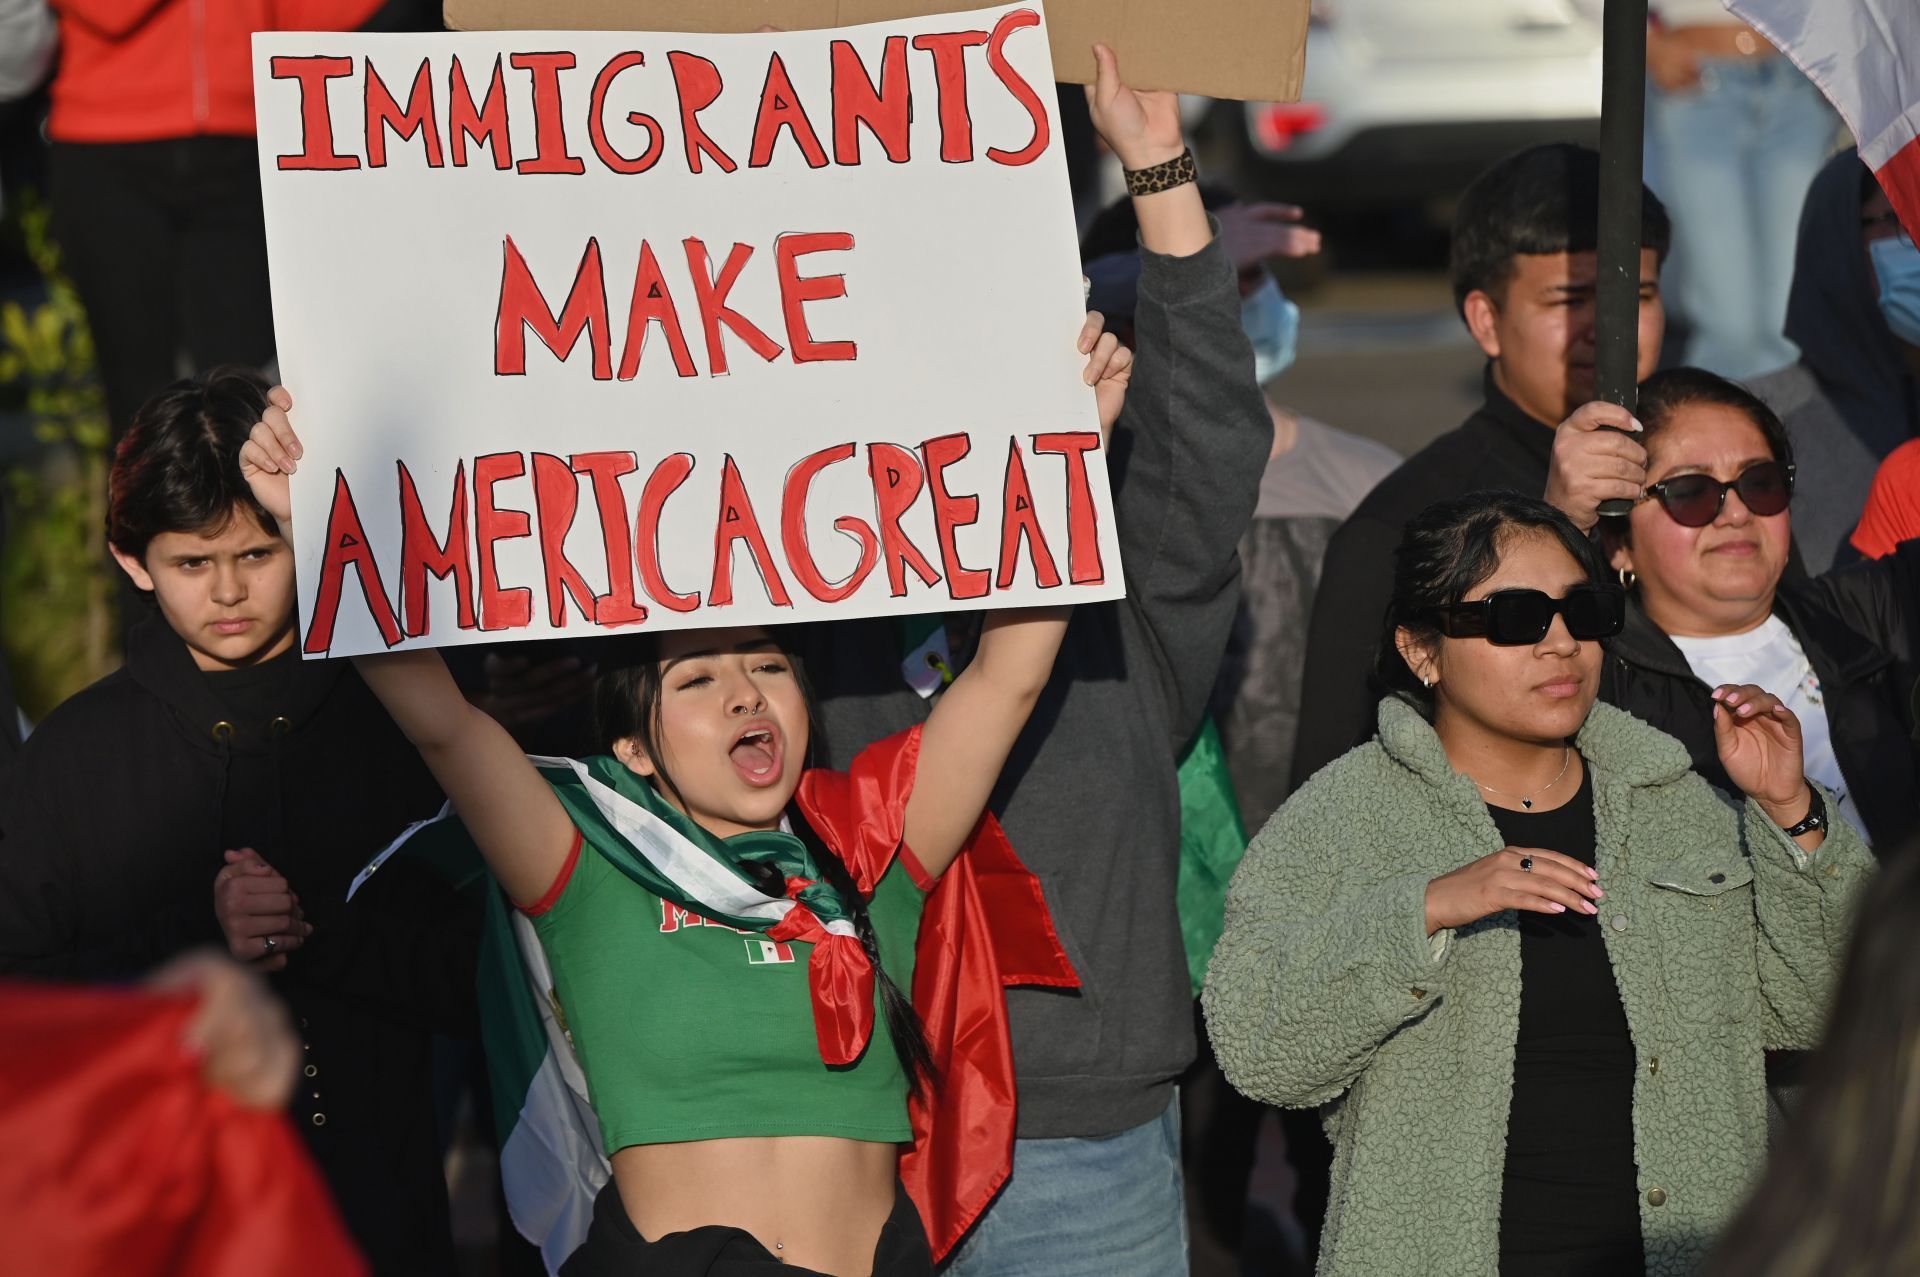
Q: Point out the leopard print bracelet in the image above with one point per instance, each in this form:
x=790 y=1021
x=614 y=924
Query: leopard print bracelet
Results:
x=1163 y=177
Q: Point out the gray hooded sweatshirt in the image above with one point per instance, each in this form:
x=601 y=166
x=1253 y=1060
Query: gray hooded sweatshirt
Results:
x=1089 y=797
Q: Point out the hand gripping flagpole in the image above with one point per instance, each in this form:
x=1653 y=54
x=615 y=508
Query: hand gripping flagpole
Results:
x=1623 y=100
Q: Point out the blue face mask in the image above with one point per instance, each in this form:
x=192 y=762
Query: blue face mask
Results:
x=1897 y=263
x=1272 y=324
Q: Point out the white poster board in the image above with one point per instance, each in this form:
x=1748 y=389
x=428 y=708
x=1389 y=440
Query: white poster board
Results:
x=597 y=331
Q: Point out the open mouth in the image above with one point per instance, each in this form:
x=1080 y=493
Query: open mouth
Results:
x=755 y=754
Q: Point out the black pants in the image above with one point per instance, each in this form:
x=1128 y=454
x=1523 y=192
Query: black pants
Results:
x=166 y=243
x=615 y=1248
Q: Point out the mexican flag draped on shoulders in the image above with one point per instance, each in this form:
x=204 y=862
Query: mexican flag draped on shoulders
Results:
x=985 y=926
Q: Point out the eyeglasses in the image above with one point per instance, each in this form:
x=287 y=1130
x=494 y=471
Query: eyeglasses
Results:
x=1515 y=618
x=1695 y=500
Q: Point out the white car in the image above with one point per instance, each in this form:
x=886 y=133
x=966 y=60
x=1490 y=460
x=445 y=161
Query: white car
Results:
x=1405 y=100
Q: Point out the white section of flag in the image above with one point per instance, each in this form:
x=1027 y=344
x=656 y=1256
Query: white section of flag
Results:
x=551 y=1166
x=708 y=883
x=1864 y=55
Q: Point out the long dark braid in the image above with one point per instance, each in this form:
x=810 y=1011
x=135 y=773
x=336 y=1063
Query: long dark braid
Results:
x=626 y=705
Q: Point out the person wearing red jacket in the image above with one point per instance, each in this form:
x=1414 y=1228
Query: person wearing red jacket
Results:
x=155 y=184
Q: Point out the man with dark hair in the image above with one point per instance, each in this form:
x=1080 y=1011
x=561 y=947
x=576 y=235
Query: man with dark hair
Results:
x=220 y=790
x=1523 y=268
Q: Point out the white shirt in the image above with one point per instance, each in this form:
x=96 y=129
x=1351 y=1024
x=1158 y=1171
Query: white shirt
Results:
x=1770 y=657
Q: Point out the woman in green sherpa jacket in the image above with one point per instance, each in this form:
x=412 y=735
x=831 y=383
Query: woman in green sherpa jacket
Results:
x=1527 y=960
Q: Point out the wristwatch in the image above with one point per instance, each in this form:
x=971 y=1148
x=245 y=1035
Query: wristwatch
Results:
x=1816 y=817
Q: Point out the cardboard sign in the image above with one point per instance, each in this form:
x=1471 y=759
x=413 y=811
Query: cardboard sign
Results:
x=598 y=332
x=1254 y=50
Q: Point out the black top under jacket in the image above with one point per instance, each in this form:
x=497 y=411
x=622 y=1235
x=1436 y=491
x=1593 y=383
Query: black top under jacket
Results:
x=1569 y=1204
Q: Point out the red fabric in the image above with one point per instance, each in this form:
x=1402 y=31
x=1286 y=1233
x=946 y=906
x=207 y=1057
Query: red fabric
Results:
x=985 y=927
x=1892 y=514
x=1900 y=179
x=839 y=977
x=115 y=1158
x=142 y=70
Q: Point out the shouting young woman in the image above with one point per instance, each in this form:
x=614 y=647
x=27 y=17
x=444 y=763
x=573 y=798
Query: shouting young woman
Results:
x=749 y=1118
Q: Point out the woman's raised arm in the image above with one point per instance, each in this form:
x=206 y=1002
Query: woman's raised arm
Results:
x=520 y=827
x=972 y=729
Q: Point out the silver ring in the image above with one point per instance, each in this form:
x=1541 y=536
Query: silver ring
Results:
x=272 y=943
x=1526 y=864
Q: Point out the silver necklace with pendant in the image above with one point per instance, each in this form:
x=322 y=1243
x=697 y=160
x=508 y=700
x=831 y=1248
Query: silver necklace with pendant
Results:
x=1526 y=800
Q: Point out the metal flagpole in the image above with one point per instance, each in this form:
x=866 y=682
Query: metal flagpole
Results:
x=1623 y=100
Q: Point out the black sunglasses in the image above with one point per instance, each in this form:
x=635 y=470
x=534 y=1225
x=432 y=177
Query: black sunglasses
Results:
x=1695 y=500
x=1515 y=618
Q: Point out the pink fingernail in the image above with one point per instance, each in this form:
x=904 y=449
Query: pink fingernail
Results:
x=1558 y=907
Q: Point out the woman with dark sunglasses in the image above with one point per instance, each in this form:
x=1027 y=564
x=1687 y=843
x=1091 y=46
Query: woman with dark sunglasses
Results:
x=1525 y=959
x=1704 y=555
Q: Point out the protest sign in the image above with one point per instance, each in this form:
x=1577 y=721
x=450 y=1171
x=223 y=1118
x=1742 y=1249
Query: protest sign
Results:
x=591 y=332
x=1254 y=50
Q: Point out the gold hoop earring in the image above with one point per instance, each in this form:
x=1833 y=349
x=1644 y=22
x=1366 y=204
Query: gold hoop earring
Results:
x=1627 y=577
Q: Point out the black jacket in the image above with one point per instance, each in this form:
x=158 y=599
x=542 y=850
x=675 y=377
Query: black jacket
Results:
x=9 y=724
x=1499 y=446
x=112 y=827
x=1858 y=628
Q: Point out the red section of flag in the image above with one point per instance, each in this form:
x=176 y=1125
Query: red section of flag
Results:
x=120 y=1161
x=840 y=981
x=1900 y=179
x=985 y=927
x=1863 y=55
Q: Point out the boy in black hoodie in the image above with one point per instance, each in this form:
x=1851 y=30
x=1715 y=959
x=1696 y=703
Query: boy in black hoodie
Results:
x=1524 y=267
x=218 y=753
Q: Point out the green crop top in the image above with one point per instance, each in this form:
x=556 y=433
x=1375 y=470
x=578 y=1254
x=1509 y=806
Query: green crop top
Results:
x=691 y=1030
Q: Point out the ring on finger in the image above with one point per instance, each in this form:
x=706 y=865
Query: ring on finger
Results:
x=1526 y=864
x=271 y=944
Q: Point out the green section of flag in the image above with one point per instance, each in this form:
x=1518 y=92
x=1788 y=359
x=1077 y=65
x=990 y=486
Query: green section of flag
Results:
x=1212 y=841
x=784 y=852
x=511 y=1033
